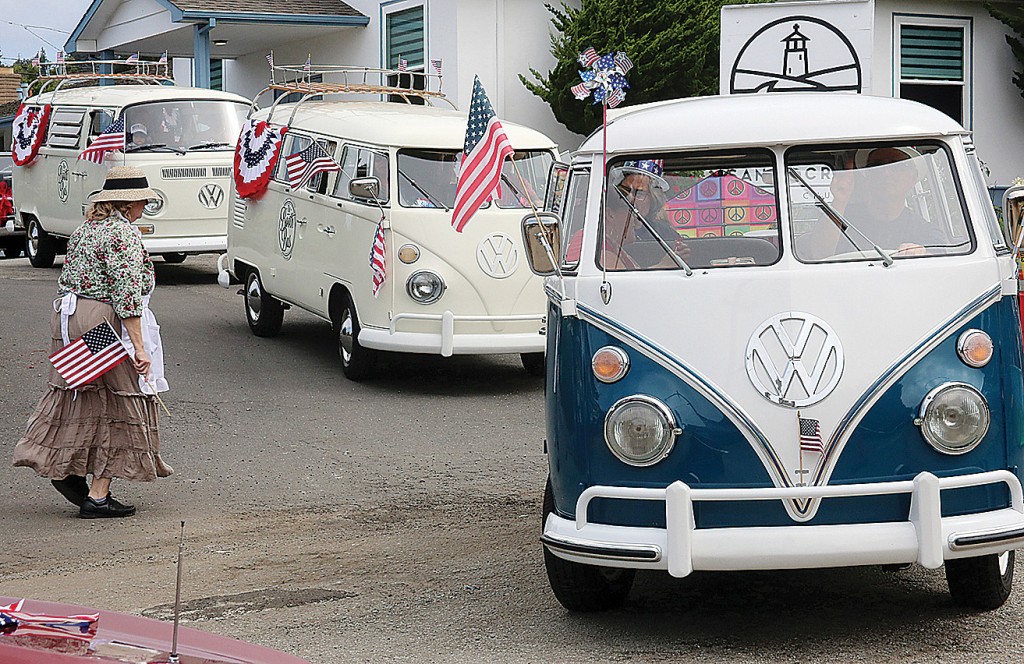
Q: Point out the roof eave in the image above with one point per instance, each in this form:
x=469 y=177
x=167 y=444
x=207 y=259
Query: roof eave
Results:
x=289 y=19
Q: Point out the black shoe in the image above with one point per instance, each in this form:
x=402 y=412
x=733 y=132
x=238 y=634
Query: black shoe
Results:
x=110 y=509
x=72 y=487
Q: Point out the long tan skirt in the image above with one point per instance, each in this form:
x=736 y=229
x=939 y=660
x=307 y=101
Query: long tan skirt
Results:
x=107 y=428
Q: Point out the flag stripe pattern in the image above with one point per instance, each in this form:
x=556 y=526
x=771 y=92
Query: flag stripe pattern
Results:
x=112 y=138
x=403 y=64
x=79 y=627
x=485 y=150
x=436 y=64
x=90 y=356
x=132 y=59
x=303 y=165
x=810 y=436
x=588 y=57
x=378 y=259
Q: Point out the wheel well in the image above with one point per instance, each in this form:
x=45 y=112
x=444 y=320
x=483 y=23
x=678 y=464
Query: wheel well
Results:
x=242 y=270
x=337 y=298
x=26 y=217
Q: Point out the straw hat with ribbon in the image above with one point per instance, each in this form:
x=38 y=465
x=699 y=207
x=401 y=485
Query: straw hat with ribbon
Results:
x=125 y=183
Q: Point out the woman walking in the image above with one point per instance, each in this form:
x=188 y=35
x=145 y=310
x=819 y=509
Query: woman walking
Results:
x=107 y=428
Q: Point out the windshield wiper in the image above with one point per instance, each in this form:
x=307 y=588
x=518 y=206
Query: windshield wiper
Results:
x=210 y=145
x=676 y=258
x=433 y=200
x=841 y=223
x=154 y=146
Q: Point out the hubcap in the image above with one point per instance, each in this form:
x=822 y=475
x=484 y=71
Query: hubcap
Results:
x=33 y=239
x=253 y=299
x=345 y=338
x=1004 y=562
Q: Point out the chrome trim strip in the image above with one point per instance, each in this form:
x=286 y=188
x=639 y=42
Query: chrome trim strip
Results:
x=958 y=542
x=608 y=550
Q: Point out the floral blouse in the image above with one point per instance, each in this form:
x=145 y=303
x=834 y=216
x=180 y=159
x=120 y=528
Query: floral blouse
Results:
x=106 y=261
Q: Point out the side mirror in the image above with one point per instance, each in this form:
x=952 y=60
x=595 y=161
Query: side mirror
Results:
x=367 y=188
x=541 y=237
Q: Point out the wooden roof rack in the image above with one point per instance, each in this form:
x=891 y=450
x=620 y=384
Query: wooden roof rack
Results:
x=56 y=75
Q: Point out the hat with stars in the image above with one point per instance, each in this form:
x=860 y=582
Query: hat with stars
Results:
x=652 y=168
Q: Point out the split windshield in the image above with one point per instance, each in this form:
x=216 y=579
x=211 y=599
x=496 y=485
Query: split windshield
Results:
x=859 y=202
x=427 y=178
x=183 y=125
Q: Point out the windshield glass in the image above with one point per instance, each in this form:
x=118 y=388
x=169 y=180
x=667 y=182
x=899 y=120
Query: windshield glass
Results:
x=712 y=211
x=184 y=125
x=427 y=178
x=901 y=198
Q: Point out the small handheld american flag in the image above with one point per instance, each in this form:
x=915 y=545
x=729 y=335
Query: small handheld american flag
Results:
x=378 y=259
x=436 y=64
x=403 y=64
x=90 y=356
x=112 y=138
x=303 y=165
x=810 y=436
x=132 y=59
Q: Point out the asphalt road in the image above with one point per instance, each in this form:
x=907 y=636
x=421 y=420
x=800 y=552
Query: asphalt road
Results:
x=396 y=520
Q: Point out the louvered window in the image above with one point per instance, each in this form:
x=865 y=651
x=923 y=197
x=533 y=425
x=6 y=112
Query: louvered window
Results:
x=933 y=63
x=405 y=38
x=65 y=127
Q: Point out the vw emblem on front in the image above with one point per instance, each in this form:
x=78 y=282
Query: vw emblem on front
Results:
x=286 y=229
x=211 y=196
x=497 y=255
x=63 y=177
x=794 y=359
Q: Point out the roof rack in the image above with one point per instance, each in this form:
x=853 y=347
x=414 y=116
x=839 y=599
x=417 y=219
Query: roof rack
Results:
x=70 y=72
x=348 y=80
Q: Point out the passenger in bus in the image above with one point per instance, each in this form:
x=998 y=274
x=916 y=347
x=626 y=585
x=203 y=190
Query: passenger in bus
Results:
x=140 y=136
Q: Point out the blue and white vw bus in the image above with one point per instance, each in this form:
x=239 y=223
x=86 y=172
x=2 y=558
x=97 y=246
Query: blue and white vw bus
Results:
x=782 y=333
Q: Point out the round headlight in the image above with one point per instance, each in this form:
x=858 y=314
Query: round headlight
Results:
x=975 y=348
x=610 y=364
x=954 y=418
x=640 y=430
x=425 y=287
x=154 y=205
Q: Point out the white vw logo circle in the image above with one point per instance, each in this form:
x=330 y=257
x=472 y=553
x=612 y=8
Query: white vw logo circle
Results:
x=286 y=229
x=211 y=196
x=794 y=359
x=497 y=255
x=63 y=175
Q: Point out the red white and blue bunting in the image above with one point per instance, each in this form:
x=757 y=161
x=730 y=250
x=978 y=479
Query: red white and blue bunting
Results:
x=27 y=132
x=259 y=146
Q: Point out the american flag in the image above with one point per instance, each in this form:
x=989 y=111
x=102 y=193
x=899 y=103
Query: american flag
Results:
x=308 y=64
x=810 y=436
x=588 y=57
x=80 y=627
x=436 y=64
x=35 y=61
x=303 y=165
x=623 y=62
x=163 y=59
x=403 y=64
x=132 y=59
x=270 y=59
x=90 y=356
x=112 y=138
x=60 y=57
x=580 y=91
x=485 y=150
x=378 y=259
x=615 y=97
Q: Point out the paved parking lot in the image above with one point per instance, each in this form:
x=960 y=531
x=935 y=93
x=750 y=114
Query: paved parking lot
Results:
x=396 y=520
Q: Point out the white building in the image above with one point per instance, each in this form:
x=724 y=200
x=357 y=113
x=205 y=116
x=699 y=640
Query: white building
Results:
x=949 y=54
x=224 y=43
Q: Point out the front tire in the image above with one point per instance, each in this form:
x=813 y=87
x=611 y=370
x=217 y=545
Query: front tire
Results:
x=584 y=588
x=40 y=246
x=263 y=313
x=175 y=257
x=357 y=363
x=983 y=582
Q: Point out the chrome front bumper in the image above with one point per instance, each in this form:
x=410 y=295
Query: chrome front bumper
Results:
x=925 y=537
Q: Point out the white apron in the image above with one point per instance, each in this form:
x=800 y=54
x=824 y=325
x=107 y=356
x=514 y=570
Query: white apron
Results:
x=150 y=339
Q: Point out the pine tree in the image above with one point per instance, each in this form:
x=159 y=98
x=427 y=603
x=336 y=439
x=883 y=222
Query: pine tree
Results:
x=1013 y=16
x=672 y=43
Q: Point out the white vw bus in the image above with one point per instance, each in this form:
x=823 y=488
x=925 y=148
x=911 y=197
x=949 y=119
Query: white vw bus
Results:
x=445 y=292
x=787 y=336
x=183 y=138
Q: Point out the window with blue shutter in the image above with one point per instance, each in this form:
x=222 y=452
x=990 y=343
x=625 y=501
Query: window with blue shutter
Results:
x=931 y=53
x=216 y=74
x=405 y=38
x=933 y=63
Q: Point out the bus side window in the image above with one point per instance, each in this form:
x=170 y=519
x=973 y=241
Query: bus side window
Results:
x=359 y=162
x=292 y=143
x=99 y=121
x=318 y=183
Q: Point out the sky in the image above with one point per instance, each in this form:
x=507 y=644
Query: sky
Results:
x=51 y=21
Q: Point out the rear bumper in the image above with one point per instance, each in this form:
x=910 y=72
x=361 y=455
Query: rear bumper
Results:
x=447 y=342
x=198 y=245
x=925 y=537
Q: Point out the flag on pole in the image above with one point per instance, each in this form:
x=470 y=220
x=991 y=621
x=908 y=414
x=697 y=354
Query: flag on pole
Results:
x=303 y=165
x=308 y=64
x=89 y=356
x=35 y=61
x=132 y=59
x=163 y=59
x=60 y=57
x=436 y=64
x=485 y=150
x=112 y=138
x=810 y=436
x=378 y=259
x=403 y=64
x=270 y=59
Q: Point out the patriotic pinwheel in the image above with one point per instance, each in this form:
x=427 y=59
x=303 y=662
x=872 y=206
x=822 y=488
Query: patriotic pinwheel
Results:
x=606 y=77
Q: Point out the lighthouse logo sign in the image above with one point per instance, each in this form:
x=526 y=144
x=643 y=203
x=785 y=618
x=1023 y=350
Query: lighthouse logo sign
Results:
x=796 y=54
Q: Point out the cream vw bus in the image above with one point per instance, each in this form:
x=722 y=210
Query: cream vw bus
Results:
x=183 y=139
x=445 y=292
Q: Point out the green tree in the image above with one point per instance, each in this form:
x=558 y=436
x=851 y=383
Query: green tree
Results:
x=24 y=68
x=1012 y=14
x=672 y=43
